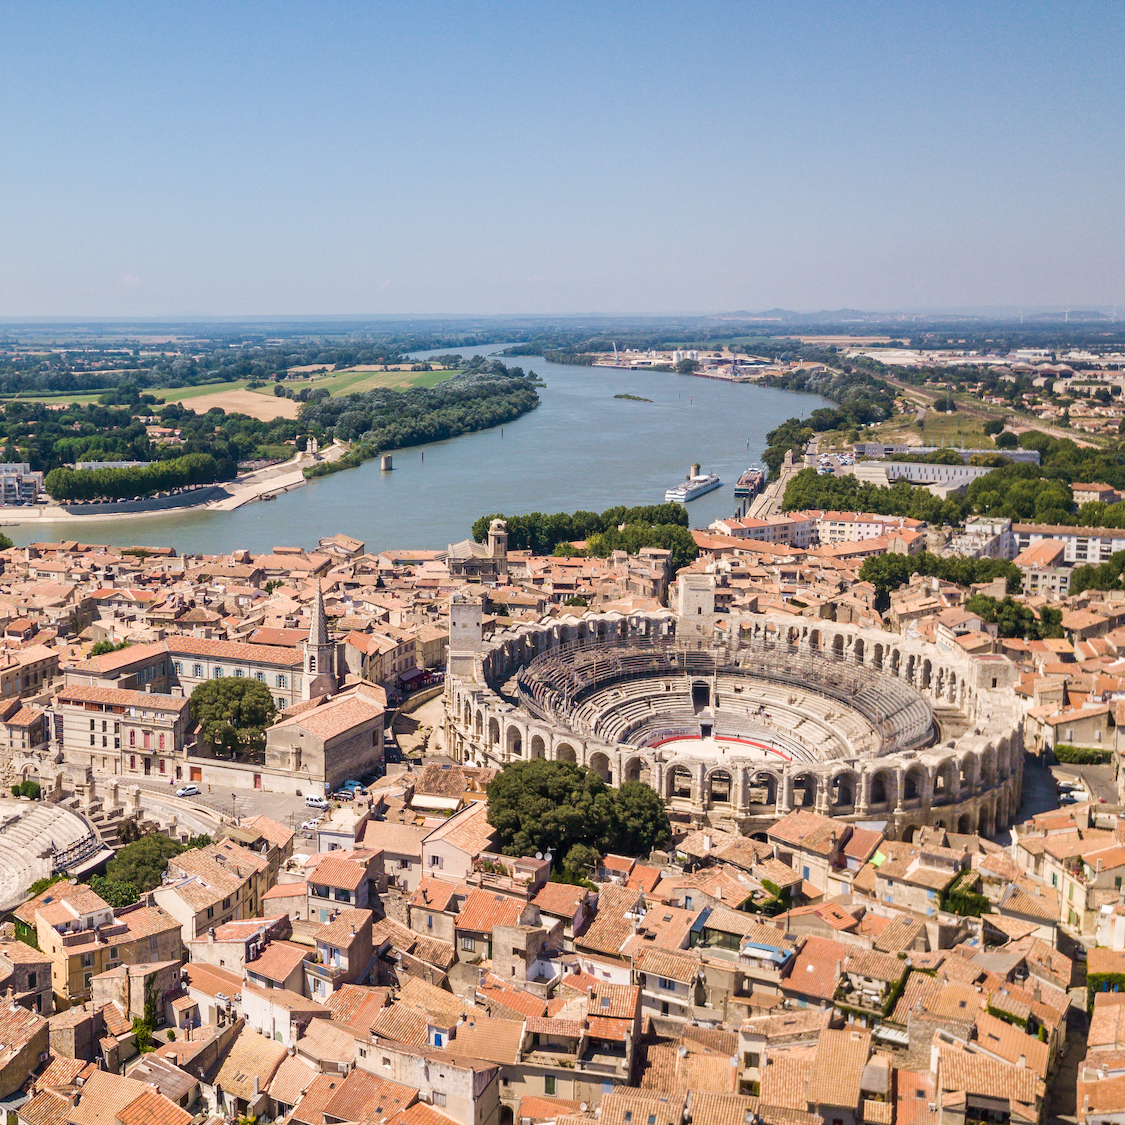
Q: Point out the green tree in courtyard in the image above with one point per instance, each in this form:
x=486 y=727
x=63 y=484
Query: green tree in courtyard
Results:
x=232 y=714
x=142 y=864
x=554 y=806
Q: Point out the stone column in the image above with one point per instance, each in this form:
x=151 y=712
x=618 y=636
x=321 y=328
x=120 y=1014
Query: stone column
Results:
x=785 y=793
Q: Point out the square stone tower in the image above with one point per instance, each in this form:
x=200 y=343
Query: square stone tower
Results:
x=466 y=633
x=695 y=605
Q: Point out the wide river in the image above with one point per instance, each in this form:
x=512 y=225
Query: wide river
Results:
x=581 y=449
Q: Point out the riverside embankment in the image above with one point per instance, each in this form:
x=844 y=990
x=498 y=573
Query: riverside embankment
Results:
x=582 y=448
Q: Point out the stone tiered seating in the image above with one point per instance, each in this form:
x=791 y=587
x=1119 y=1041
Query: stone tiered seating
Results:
x=30 y=835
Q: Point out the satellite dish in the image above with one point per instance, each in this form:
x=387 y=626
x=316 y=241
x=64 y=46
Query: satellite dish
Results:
x=538 y=855
x=547 y=857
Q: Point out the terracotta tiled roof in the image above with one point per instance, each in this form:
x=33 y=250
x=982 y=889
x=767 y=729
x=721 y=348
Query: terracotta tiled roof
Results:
x=443 y=1006
x=837 y=1069
x=342 y=930
x=493 y=1040
x=292 y=1079
x=152 y=1108
x=277 y=834
x=46 y=1108
x=251 y=1057
x=323 y=1089
x=403 y=1024
x=814 y=968
x=560 y=899
x=484 y=910
x=334 y=872
x=148 y=701
x=234 y=651
x=785 y=1078
x=962 y=1072
x=357 y=1006
x=364 y=1096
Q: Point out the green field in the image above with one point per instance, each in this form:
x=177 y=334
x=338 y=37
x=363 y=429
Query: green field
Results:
x=341 y=383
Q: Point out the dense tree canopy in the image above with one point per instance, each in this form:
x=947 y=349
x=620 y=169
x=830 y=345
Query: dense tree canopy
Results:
x=545 y=806
x=232 y=715
x=1105 y=576
x=616 y=529
x=1015 y=620
x=888 y=572
x=64 y=484
x=141 y=864
x=391 y=419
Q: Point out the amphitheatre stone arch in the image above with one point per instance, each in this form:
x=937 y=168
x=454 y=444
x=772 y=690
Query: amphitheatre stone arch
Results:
x=734 y=730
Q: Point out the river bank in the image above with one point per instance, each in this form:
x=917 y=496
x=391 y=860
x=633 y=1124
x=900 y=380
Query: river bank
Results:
x=582 y=448
x=271 y=482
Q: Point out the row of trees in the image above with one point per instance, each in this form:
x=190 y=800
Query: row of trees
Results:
x=541 y=533
x=1105 y=576
x=1014 y=619
x=1014 y=490
x=64 y=484
x=391 y=419
x=616 y=529
x=48 y=438
x=888 y=572
x=569 y=811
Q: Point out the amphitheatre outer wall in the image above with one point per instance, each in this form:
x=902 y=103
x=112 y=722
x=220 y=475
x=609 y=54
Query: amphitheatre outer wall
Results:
x=966 y=776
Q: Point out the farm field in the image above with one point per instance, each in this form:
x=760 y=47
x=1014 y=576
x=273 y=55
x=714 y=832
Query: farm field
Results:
x=262 y=403
x=241 y=401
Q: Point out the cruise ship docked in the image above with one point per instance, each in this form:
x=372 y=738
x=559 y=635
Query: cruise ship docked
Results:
x=750 y=483
x=695 y=486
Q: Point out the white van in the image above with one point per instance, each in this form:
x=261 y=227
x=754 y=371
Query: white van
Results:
x=312 y=801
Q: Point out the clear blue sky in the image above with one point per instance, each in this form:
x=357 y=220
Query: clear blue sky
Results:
x=565 y=157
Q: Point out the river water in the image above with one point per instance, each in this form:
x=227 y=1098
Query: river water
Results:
x=580 y=449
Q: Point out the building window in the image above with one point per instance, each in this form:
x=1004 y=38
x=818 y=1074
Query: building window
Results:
x=218 y=673
x=132 y=761
x=260 y=677
x=210 y=912
x=197 y=670
x=178 y=665
x=468 y=944
x=87 y=960
x=86 y=980
x=31 y=980
x=162 y=764
x=549 y=1085
x=666 y=984
x=132 y=738
x=92 y=724
x=439 y=1099
x=282 y=681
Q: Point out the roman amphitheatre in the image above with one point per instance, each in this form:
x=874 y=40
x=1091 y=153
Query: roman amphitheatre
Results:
x=736 y=722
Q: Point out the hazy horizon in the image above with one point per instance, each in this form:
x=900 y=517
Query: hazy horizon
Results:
x=497 y=160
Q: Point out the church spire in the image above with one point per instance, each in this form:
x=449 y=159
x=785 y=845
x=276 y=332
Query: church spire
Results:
x=318 y=630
